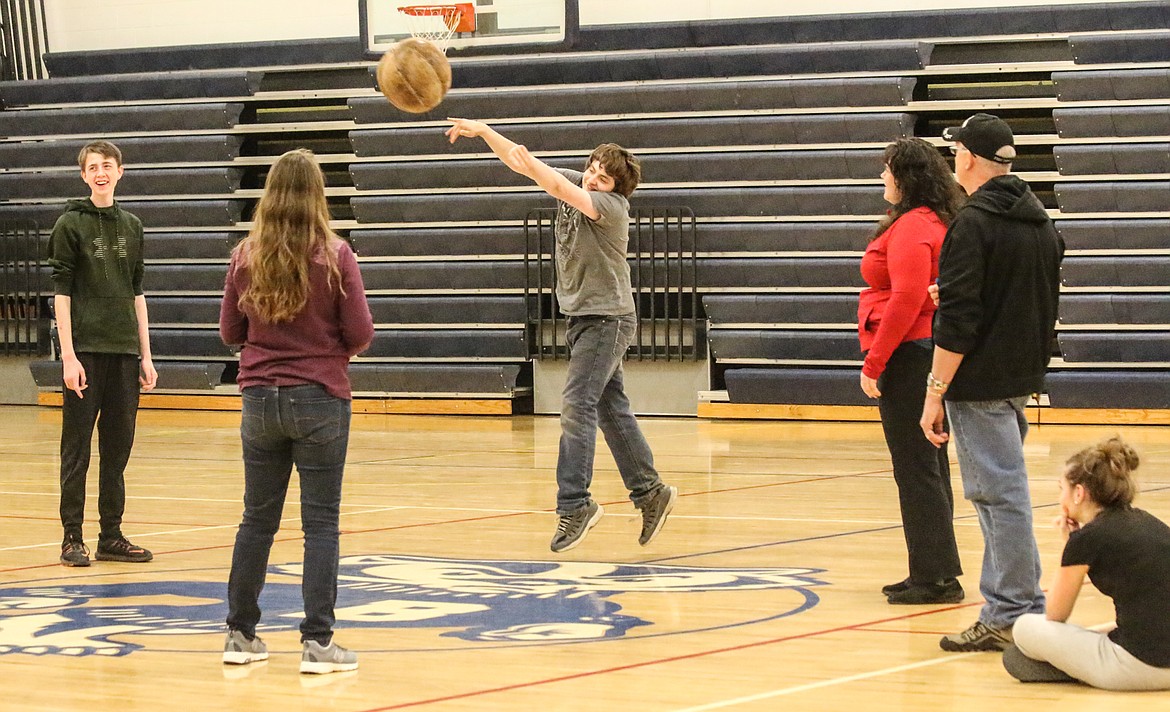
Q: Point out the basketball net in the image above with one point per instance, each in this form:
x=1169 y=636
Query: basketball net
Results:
x=434 y=23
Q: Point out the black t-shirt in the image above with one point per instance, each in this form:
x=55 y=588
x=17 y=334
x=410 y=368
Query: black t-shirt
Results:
x=1128 y=555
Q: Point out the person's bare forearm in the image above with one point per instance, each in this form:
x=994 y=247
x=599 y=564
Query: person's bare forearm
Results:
x=62 y=304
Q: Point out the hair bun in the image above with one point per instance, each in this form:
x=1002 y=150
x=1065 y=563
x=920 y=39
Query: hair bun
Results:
x=1122 y=458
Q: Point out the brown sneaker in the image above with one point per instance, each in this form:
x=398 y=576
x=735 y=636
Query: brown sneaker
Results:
x=654 y=513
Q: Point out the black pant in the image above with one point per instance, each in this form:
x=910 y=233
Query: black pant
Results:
x=110 y=401
x=922 y=472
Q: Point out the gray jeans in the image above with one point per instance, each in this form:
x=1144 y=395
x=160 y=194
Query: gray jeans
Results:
x=594 y=396
x=1087 y=655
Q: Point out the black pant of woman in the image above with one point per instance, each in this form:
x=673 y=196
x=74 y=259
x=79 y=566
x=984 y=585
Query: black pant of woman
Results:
x=921 y=471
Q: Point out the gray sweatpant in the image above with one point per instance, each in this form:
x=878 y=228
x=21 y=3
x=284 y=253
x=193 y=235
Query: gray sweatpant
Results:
x=1087 y=655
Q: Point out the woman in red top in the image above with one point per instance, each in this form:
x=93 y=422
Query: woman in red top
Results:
x=893 y=321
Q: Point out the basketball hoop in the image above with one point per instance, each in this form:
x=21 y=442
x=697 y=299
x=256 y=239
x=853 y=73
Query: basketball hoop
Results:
x=439 y=23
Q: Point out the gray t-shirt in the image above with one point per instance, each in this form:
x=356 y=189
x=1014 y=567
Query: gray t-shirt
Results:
x=593 y=276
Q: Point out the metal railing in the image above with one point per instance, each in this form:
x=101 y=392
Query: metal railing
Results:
x=26 y=38
x=663 y=275
x=24 y=318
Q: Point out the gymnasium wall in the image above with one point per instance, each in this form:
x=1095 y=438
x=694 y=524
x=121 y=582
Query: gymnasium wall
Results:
x=79 y=25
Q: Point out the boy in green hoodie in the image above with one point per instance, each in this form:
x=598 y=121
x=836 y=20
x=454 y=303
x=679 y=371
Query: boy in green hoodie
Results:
x=95 y=253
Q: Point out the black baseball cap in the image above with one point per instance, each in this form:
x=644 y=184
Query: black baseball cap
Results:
x=986 y=136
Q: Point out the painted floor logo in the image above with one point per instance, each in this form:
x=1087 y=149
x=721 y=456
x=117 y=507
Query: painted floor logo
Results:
x=464 y=602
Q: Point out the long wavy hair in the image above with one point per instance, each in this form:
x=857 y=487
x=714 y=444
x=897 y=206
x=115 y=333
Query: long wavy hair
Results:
x=923 y=179
x=290 y=231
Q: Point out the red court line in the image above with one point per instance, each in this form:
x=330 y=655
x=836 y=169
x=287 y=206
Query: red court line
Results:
x=660 y=661
x=463 y=520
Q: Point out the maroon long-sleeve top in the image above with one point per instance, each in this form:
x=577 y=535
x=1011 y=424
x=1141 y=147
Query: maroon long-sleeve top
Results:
x=899 y=265
x=315 y=347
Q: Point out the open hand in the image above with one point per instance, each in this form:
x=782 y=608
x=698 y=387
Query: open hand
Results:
x=464 y=128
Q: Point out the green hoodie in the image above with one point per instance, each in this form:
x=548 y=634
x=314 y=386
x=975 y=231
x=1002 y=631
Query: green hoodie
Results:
x=96 y=257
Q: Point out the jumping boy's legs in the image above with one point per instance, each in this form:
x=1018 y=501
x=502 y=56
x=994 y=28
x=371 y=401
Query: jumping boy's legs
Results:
x=593 y=395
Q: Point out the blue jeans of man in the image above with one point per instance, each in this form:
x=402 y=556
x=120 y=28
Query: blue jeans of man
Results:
x=990 y=444
x=595 y=396
x=284 y=426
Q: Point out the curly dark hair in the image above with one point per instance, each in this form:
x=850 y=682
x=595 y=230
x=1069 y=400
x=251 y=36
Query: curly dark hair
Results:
x=923 y=179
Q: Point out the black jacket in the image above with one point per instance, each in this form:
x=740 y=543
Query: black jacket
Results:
x=999 y=281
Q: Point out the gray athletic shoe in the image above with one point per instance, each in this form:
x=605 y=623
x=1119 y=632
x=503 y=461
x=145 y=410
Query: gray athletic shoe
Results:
x=980 y=637
x=654 y=513
x=318 y=660
x=238 y=650
x=572 y=527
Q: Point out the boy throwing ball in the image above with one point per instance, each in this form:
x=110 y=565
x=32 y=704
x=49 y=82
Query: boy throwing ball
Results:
x=593 y=288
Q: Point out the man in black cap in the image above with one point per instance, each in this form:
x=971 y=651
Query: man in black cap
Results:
x=999 y=280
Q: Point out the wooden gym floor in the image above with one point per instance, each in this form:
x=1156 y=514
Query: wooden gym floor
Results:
x=760 y=594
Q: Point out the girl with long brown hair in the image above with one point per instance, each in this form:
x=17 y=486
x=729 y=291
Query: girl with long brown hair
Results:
x=295 y=302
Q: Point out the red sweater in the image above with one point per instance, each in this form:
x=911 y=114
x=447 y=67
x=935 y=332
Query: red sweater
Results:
x=316 y=345
x=898 y=266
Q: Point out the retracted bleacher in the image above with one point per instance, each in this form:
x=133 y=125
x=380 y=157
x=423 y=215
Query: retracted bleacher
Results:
x=769 y=130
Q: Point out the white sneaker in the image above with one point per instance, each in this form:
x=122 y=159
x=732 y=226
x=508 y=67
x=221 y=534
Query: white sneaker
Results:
x=317 y=659
x=238 y=650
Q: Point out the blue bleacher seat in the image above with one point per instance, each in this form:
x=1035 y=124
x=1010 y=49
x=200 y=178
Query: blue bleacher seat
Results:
x=1115 y=234
x=732 y=309
x=638 y=98
x=646 y=133
x=1112 y=121
x=135 y=150
x=1143 y=389
x=88 y=121
x=1115 y=271
x=1115 y=84
x=1132 y=158
x=795 y=386
x=128 y=87
x=1114 y=347
x=785 y=344
x=1116 y=309
x=1124 y=197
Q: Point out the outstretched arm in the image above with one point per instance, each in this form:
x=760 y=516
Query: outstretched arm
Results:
x=518 y=158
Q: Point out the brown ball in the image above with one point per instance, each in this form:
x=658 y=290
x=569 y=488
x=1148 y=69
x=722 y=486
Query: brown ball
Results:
x=414 y=75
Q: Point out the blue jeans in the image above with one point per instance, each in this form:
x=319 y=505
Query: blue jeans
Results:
x=282 y=426
x=594 y=396
x=990 y=444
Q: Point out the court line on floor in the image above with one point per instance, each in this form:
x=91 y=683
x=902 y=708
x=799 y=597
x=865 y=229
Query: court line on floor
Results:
x=676 y=658
x=201 y=528
x=826 y=683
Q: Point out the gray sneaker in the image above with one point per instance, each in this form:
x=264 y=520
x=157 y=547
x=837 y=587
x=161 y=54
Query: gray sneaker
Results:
x=980 y=637
x=572 y=527
x=238 y=650
x=318 y=660
x=654 y=513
